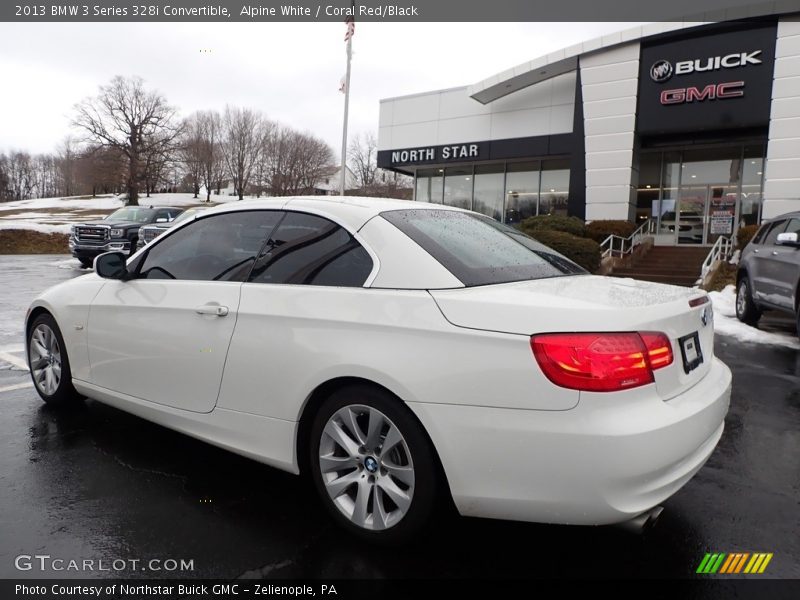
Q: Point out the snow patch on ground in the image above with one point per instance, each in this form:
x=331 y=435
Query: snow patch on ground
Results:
x=69 y=263
x=726 y=323
x=39 y=214
x=109 y=202
x=33 y=226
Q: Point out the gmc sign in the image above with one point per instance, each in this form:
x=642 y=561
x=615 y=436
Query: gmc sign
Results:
x=719 y=91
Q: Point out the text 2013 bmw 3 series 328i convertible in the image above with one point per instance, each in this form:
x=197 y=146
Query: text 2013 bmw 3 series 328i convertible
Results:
x=397 y=353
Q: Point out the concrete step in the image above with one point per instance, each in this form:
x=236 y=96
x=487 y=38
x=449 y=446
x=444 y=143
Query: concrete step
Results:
x=658 y=278
x=661 y=270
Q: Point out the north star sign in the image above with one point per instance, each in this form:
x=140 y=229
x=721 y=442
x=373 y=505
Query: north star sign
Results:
x=436 y=153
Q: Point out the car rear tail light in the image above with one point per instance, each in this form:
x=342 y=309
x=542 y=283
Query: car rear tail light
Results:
x=659 y=350
x=601 y=362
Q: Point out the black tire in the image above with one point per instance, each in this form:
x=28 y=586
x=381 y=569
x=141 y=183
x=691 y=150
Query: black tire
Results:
x=426 y=475
x=62 y=393
x=746 y=309
x=87 y=263
x=797 y=319
x=134 y=243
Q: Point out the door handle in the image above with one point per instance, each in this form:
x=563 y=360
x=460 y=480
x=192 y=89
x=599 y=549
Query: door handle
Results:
x=774 y=253
x=212 y=309
x=756 y=250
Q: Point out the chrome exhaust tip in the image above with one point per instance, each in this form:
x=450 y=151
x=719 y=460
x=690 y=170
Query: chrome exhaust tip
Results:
x=643 y=522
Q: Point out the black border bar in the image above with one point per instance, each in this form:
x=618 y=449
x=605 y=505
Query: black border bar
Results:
x=405 y=11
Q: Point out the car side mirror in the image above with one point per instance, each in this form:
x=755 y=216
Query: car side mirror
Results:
x=111 y=265
x=788 y=239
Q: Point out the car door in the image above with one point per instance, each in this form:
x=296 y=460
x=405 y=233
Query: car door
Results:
x=163 y=335
x=785 y=260
x=303 y=301
x=766 y=286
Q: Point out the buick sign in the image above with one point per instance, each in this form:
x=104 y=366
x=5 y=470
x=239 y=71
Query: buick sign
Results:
x=661 y=71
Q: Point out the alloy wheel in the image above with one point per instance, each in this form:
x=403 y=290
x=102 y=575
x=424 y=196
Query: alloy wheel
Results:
x=366 y=467
x=741 y=299
x=45 y=359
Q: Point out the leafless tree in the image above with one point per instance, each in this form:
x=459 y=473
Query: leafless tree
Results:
x=67 y=158
x=44 y=171
x=212 y=163
x=363 y=159
x=296 y=161
x=191 y=150
x=5 y=191
x=101 y=170
x=21 y=176
x=242 y=145
x=129 y=118
x=156 y=161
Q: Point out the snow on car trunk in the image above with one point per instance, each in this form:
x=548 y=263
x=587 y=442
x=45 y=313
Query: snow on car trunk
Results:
x=588 y=303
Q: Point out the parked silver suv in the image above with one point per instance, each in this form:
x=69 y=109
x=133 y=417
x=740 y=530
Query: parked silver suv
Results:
x=769 y=270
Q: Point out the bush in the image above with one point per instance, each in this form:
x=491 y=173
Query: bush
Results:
x=600 y=230
x=583 y=251
x=745 y=234
x=571 y=225
x=25 y=241
x=724 y=276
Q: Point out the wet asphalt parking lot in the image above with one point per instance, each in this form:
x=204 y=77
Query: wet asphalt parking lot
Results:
x=97 y=483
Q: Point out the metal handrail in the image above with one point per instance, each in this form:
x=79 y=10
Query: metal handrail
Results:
x=626 y=244
x=721 y=250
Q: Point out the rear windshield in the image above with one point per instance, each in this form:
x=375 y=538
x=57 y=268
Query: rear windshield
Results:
x=478 y=250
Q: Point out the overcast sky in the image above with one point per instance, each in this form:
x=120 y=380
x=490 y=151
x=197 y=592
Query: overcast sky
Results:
x=290 y=71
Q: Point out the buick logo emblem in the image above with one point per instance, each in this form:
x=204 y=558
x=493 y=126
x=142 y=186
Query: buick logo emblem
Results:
x=661 y=71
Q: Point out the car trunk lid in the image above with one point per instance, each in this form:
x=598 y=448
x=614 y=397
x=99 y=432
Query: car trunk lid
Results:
x=589 y=303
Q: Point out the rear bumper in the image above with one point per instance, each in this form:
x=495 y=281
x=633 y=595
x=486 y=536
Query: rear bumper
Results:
x=605 y=461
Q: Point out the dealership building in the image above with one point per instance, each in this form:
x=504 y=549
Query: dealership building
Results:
x=694 y=127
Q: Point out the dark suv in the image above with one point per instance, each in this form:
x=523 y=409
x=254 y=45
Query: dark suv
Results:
x=118 y=231
x=769 y=270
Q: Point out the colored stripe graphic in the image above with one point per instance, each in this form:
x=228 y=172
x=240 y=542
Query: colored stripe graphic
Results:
x=711 y=563
x=727 y=564
x=723 y=563
x=741 y=562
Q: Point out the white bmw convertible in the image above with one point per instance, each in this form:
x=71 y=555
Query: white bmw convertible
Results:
x=399 y=354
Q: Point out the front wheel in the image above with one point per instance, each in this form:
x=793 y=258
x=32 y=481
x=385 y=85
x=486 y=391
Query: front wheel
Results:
x=86 y=263
x=746 y=309
x=47 y=357
x=373 y=465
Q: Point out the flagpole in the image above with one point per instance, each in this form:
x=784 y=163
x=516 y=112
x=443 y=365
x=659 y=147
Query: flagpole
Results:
x=343 y=177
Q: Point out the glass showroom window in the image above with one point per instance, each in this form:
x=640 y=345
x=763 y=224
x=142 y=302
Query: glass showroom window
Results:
x=488 y=192
x=522 y=191
x=554 y=194
x=437 y=186
x=458 y=187
x=670 y=184
x=422 y=186
x=649 y=189
x=428 y=186
x=752 y=185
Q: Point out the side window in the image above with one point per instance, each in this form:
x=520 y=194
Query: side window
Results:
x=793 y=227
x=163 y=216
x=218 y=248
x=759 y=236
x=777 y=228
x=310 y=250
